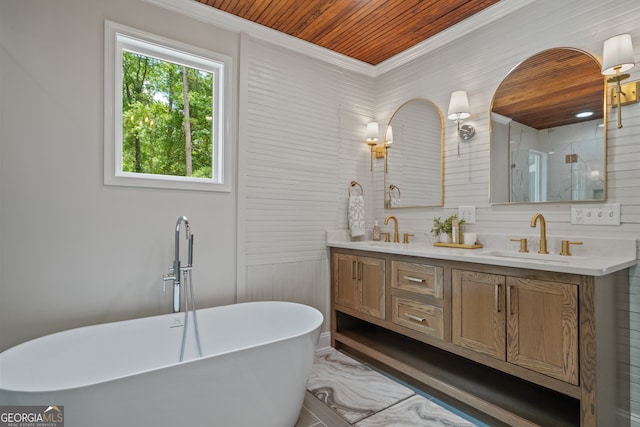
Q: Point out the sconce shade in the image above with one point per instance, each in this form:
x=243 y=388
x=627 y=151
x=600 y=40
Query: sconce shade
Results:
x=617 y=52
x=458 y=106
x=388 y=138
x=372 y=131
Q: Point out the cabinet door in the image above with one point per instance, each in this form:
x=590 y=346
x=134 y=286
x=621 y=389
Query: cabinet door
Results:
x=372 y=279
x=478 y=317
x=543 y=327
x=345 y=270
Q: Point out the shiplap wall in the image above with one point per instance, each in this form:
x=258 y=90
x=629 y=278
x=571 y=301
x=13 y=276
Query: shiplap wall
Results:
x=302 y=127
x=303 y=121
x=478 y=63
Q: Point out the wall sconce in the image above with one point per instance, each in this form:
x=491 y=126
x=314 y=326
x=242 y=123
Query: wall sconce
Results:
x=372 y=139
x=388 y=141
x=617 y=57
x=458 y=111
x=378 y=151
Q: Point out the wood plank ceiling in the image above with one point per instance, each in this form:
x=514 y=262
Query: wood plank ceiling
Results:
x=373 y=31
x=368 y=30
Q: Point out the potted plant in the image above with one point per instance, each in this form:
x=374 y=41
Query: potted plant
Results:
x=442 y=230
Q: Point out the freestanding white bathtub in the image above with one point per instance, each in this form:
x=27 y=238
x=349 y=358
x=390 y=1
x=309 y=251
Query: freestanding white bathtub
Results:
x=256 y=360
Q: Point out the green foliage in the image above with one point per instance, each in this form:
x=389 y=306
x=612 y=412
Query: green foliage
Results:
x=153 y=139
x=446 y=226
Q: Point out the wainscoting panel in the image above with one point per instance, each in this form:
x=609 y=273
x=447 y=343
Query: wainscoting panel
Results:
x=305 y=282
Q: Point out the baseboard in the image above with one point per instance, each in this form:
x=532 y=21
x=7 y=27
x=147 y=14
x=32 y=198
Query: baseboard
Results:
x=324 y=341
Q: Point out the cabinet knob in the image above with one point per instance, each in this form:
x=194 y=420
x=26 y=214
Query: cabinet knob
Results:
x=565 y=247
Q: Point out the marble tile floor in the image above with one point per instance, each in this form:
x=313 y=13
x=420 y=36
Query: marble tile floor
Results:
x=343 y=392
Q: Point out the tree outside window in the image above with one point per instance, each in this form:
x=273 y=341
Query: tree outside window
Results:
x=167 y=111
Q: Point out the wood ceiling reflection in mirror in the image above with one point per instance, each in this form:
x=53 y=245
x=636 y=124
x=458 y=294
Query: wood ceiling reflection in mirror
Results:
x=568 y=76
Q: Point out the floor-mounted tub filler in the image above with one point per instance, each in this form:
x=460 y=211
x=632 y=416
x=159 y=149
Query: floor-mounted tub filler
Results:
x=257 y=357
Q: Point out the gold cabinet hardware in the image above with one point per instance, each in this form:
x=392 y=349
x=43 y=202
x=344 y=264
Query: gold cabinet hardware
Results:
x=523 y=244
x=565 y=247
x=406 y=237
x=414 y=279
x=356 y=270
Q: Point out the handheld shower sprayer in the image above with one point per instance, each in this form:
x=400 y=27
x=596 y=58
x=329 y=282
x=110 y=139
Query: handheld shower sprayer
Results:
x=176 y=268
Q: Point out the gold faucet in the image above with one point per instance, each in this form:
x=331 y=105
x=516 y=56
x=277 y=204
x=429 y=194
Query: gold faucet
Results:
x=543 y=232
x=396 y=239
x=565 y=247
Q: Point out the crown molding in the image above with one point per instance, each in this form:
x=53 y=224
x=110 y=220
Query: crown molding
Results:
x=481 y=19
x=227 y=21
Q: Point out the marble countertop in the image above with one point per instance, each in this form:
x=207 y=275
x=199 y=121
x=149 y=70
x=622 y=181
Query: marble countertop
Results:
x=596 y=257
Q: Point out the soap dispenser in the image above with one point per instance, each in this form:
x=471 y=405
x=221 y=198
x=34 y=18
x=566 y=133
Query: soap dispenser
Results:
x=455 y=231
x=376 y=231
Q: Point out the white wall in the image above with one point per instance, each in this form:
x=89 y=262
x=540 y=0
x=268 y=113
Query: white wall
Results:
x=73 y=251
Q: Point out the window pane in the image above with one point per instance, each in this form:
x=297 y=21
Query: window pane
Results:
x=167 y=118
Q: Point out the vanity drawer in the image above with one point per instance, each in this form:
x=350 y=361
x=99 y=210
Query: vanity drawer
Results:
x=424 y=318
x=418 y=278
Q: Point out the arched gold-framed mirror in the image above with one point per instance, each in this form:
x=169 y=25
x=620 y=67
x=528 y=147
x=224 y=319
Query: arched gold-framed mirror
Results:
x=540 y=150
x=414 y=163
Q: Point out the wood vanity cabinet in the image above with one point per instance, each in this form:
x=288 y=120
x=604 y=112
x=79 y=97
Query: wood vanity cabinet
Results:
x=359 y=283
x=511 y=346
x=531 y=323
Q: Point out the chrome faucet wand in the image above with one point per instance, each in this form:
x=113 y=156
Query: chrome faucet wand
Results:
x=174 y=274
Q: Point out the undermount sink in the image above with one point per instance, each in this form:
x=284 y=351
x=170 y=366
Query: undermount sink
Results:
x=531 y=256
x=378 y=243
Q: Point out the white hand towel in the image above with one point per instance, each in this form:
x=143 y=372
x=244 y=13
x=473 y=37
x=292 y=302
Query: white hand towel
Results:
x=356 y=215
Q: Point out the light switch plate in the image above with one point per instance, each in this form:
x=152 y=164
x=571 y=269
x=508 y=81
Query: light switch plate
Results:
x=608 y=214
x=467 y=213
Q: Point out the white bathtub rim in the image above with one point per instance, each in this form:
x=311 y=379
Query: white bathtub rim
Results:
x=79 y=385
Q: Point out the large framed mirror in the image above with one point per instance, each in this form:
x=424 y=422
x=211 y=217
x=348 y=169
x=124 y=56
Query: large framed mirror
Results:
x=548 y=131
x=414 y=162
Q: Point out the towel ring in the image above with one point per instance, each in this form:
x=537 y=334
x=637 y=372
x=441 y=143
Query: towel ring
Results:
x=393 y=187
x=353 y=184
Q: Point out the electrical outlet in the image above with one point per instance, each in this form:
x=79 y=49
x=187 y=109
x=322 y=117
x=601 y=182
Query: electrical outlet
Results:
x=467 y=213
x=608 y=214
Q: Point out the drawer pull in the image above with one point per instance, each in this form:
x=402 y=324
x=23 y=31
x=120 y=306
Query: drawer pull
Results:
x=414 y=279
x=415 y=318
x=496 y=298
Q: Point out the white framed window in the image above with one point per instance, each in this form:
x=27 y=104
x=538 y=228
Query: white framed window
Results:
x=166 y=113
